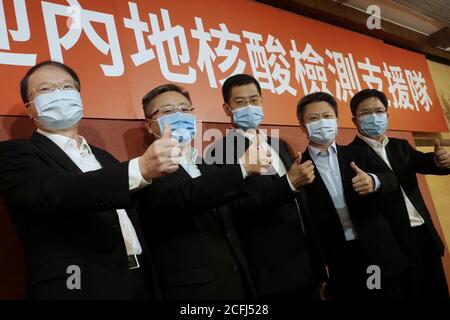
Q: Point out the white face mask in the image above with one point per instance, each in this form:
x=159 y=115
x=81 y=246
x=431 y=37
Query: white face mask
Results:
x=323 y=131
x=60 y=109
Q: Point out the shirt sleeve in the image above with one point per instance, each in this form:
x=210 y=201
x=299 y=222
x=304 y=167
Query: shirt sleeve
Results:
x=244 y=172
x=135 y=179
x=377 y=182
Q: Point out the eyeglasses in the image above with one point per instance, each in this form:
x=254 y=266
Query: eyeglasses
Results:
x=170 y=108
x=47 y=87
x=378 y=111
x=242 y=102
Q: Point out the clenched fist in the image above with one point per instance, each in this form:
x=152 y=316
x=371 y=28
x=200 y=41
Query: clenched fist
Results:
x=301 y=174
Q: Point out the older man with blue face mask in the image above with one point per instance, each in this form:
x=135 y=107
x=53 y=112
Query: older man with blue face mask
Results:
x=406 y=208
x=71 y=202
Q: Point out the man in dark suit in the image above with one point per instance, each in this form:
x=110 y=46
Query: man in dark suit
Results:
x=196 y=249
x=281 y=252
x=71 y=202
x=405 y=208
x=353 y=233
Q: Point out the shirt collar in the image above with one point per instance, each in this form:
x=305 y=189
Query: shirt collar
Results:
x=315 y=152
x=374 y=144
x=66 y=143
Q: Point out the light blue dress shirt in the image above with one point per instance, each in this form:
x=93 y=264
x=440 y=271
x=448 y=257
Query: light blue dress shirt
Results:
x=327 y=164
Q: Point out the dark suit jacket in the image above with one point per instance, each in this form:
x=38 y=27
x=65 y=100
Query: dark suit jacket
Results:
x=65 y=217
x=406 y=162
x=271 y=224
x=372 y=228
x=195 y=245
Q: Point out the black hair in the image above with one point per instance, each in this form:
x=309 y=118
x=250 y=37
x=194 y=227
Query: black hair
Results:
x=237 y=81
x=366 y=94
x=169 y=87
x=24 y=81
x=315 y=97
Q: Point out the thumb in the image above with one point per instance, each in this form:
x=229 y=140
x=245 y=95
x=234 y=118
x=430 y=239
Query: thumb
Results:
x=299 y=157
x=355 y=168
x=437 y=145
x=167 y=131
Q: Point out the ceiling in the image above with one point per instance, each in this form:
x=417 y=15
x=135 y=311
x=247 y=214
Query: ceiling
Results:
x=419 y=16
x=418 y=25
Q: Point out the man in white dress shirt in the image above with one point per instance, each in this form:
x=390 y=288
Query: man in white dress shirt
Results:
x=406 y=209
x=71 y=201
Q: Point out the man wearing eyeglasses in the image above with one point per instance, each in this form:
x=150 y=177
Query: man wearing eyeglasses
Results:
x=71 y=202
x=281 y=250
x=405 y=209
x=196 y=249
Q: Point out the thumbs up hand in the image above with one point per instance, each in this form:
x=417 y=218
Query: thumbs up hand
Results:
x=162 y=157
x=441 y=155
x=301 y=174
x=362 y=182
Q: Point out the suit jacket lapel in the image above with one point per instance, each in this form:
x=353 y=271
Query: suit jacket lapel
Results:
x=283 y=153
x=318 y=181
x=54 y=152
x=104 y=161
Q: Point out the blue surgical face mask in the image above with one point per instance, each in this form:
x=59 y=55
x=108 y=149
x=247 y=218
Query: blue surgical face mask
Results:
x=183 y=126
x=248 y=117
x=59 y=109
x=373 y=125
x=323 y=131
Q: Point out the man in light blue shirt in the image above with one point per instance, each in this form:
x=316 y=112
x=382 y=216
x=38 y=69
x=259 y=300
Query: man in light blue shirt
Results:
x=353 y=235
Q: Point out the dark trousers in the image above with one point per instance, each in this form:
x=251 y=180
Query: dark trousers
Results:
x=348 y=276
x=310 y=292
x=425 y=279
x=143 y=281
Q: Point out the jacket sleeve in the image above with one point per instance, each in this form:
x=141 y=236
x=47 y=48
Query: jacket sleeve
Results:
x=388 y=180
x=267 y=195
x=208 y=191
x=423 y=163
x=27 y=183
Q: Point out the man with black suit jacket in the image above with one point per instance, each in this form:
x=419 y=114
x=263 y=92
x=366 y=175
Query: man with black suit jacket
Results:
x=196 y=248
x=71 y=202
x=281 y=252
x=405 y=208
x=353 y=234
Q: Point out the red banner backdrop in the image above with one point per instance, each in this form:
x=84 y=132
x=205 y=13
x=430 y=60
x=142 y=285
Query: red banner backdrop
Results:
x=122 y=49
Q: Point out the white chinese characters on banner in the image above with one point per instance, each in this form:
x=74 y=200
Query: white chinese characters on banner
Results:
x=418 y=89
x=207 y=56
x=370 y=77
x=85 y=18
x=22 y=34
x=309 y=66
x=347 y=81
x=170 y=45
x=168 y=35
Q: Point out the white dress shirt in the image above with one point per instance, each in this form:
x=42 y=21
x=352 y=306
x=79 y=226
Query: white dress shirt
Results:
x=86 y=161
x=380 y=148
x=327 y=164
x=189 y=163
